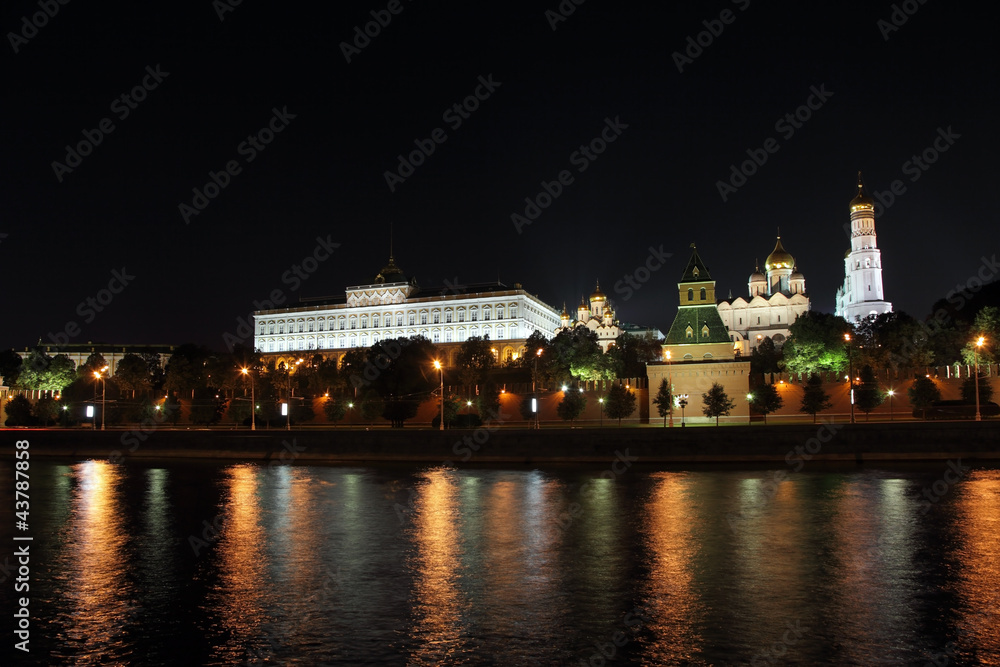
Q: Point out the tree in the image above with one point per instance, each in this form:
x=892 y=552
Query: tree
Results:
x=572 y=404
x=766 y=400
x=922 y=393
x=575 y=354
x=335 y=409
x=867 y=395
x=765 y=358
x=10 y=366
x=814 y=399
x=406 y=375
x=46 y=411
x=186 y=369
x=132 y=375
x=816 y=344
x=631 y=353
x=207 y=406
x=19 y=412
x=987 y=325
x=717 y=402
x=488 y=401
x=95 y=363
x=475 y=359
x=619 y=403
x=969 y=390
x=664 y=402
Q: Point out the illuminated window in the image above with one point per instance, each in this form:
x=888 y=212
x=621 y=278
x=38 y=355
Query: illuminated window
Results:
x=437 y=337
x=437 y=318
x=423 y=318
x=413 y=319
x=447 y=317
x=689 y=332
x=704 y=331
x=447 y=336
x=461 y=316
x=281 y=327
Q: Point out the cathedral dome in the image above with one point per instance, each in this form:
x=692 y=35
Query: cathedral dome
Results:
x=779 y=258
x=861 y=200
x=390 y=273
x=797 y=275
x=757 y=277
x=598 y=295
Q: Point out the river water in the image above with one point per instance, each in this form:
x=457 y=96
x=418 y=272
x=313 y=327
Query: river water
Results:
x=181 y=562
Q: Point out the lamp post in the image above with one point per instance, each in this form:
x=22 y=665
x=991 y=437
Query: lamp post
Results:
x=534 y=386
x=104 y=389
x=670 y=385
x=288 y=406
x=601 y=401
x=891 y=393
x=683 y=403
x=749 y=405
x=979 y=344
x=850 y=365
x=253 y=402
x=437 y=365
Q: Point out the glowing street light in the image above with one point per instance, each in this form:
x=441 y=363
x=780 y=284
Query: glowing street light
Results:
x=850 y=363
x=601 y=401
x=287 y=407
x=891 y=393
x=437 y=365
x=979 y=344
x=670 y=384
x=104 y=387
x=253 y=401
x=534 y=387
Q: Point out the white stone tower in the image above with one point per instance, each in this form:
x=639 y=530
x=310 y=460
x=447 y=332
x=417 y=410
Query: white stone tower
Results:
x=862 y=295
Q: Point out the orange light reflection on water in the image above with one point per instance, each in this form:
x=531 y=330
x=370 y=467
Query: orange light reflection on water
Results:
x=96 y=548
x=673 y=606
x=978 y=519
x=439 y=604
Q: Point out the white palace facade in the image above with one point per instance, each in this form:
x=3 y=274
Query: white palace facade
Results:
x=392 y=306
x=776 y=299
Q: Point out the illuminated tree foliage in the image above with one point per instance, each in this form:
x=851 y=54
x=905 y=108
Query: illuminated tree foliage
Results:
x=816 y=344
x=717 y=402
x=766 y=400
x=922 y=393
x=572 y=404
x=663 y=401
x=619 y=403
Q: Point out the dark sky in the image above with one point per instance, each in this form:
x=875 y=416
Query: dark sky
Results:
x=323 y=174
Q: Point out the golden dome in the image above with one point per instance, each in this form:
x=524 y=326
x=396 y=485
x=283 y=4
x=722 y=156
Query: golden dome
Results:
x=598 y=295
x=779 y=258
x=861 y=200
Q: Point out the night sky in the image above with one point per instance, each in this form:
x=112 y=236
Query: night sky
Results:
x=213 y=83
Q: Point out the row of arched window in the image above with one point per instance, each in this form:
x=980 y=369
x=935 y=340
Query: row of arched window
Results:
x=381 y=320
x=335 y=341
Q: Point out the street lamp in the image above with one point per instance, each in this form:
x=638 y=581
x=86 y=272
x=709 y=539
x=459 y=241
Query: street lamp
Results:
x=891 y=393
x=750 y=403
x=670 y=385
x=437 y=365
x=534 y=387
x=683 y=403
x=288 y=406
x=601 y=401
x=253 y=402
x=979 y=344
x=104 y=387
x=850 y=364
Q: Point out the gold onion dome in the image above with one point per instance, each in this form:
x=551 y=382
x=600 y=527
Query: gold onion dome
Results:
x=861 y=200
x=779 y=258
x=390 y=273
x=598 y=295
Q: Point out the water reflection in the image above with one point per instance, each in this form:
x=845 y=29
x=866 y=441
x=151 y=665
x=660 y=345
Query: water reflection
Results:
x=439 y=606
x=241 y=557
x=672 y=603
x=97 y=594
x=977 y=521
